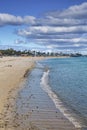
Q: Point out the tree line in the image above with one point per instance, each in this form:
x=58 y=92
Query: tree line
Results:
x=12 y=52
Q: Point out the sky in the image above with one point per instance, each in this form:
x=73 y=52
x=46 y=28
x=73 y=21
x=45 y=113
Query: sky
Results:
x=44 y=25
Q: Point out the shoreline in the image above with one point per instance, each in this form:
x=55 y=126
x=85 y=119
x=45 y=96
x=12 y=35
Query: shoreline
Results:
x=58 y=103
x=11 y=96
x=13 y=70
x=37 y=108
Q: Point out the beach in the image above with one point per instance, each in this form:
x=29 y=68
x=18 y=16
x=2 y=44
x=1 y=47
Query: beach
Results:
x=42 y=113
x=12 y=72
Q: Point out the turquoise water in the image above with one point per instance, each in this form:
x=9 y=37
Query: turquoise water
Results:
x=68 y=80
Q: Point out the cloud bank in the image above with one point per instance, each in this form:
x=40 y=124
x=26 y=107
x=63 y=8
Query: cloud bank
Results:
x=62 y=29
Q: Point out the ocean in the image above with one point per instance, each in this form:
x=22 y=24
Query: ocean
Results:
x=65 y=81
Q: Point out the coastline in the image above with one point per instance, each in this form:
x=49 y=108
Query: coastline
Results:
x=13 y=70
x=17 y=69
x=58 y=103
x=36 y=107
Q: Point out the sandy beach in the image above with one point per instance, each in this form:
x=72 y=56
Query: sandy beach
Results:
x=12 y=71
x=44 y=114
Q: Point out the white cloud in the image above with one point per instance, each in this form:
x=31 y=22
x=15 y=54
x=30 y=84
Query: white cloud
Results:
x=29 y=19
x=76 y=11
x=8 y=19
x=18 y=41
x=74 y=15
x=59 y=32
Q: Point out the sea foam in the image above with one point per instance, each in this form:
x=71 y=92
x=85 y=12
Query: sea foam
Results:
x=59 y=105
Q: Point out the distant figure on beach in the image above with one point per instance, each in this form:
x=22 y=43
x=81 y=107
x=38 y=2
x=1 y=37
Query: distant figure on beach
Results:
x=0 y=55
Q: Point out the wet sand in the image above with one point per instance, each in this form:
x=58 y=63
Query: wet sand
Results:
x=43 y=113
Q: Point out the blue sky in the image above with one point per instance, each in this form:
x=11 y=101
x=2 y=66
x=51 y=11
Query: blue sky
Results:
x=49 y=25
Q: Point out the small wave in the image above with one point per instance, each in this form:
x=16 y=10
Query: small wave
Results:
x=59 y=105
x=39 y=65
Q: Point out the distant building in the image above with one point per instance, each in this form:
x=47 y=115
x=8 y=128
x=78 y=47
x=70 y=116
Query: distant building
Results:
x=24 y=55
